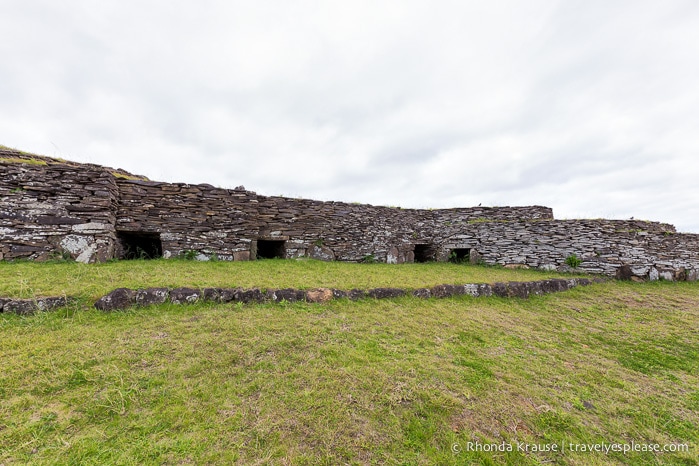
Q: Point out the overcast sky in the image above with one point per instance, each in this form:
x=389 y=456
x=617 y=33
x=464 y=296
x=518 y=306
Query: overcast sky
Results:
x=589 y=107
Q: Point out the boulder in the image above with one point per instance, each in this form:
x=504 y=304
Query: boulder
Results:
x=211 y=295
x=422 y=293
x=322 y=253
x=151 y=296
x=121 y=298
x=319 y=295
x=184 y=296
x=624 y=273
x=250 y=296
x=290 y=295
x=227 y=295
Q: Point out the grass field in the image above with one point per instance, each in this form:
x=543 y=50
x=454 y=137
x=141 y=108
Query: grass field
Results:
x=403 y=381
x=30 y=279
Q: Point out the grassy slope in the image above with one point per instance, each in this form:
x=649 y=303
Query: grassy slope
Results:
x=29 y=279
x=370 y=382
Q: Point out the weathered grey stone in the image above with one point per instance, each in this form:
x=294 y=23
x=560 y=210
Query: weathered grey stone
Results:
x=319 y=295
x=151 y=296
x=422 y=293
x=290 y=295
x=184 y=296
x=92 y=228
x=250 y=296
x=52 y=302
x=471 y=289
x=653 y=274
x=121 y=298
x=212 y=295
x=444 y=291
x=2 y=303
x=21 y=306
x=228 y=295
x=356 y=294
x=500 y=289
x=485 y=290
x=517 y=290
x=383 y=293
x=30 y=306
x=322 y=253
x=339 y=294
x=692 y=275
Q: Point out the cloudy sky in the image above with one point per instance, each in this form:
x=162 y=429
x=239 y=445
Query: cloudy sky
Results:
x=590 y=107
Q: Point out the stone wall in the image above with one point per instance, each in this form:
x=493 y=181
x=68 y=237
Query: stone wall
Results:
x=651 y=249
x=50 y=208
x=198 y=218
x=230 y=223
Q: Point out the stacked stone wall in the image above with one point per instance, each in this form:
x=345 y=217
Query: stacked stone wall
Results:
x=51 y=210
x=198 y=218
x=650 y=249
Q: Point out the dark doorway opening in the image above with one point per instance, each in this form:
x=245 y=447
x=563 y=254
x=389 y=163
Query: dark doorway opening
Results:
x=423 y=253
x=460 y=255
x=139 y=245
x=270 y=249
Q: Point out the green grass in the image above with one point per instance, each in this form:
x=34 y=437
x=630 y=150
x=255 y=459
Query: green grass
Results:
x=30 y=279
x=403 y=381
x=19 y=160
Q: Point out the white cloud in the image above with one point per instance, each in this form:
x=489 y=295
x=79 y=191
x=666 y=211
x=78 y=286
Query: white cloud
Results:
x=589 y=107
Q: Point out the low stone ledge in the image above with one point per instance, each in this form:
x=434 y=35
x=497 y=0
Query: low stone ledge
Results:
x=123 y=298
x=385 y=293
